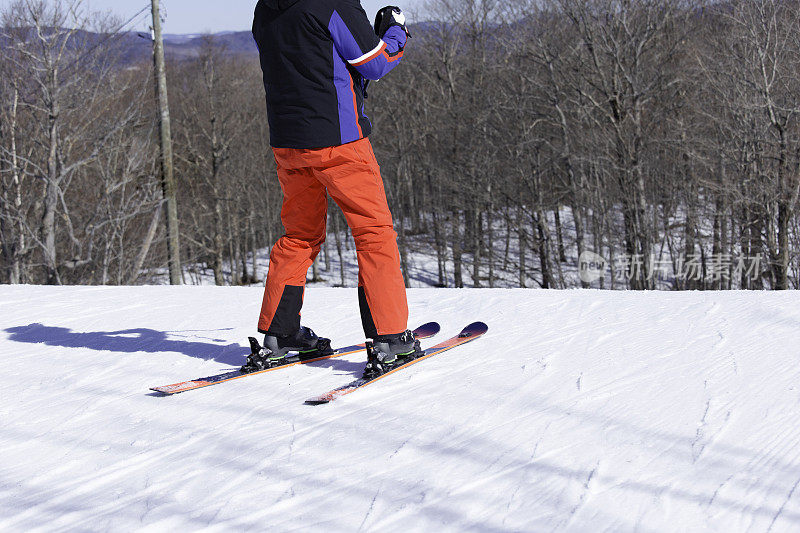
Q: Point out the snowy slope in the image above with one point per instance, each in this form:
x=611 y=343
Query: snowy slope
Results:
x=579 y=411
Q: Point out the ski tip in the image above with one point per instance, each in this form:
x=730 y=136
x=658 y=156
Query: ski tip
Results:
x=316 y=401
x=168 y=390
x=476 y=328
x=427 y=330
x=161 y=391
x=324 y=398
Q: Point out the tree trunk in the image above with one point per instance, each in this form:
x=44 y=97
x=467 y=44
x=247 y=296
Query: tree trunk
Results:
x=458 y=279
x=757 y=249
x=218 y=259
x=507 y=243
x=490 y=245
x=476 y=254
x=240 y=250
x=18 y=249
x=337 y=236
x=314 y=272
x=51 y=202
x=254 y=252
x=744 y=245
x=523 y=245
x=403 y=253
x=562 y=252
x=689 y=247
x=441 y=250
x=148 y=241
x=577 y=217
x=165 y=135
x=782 y=264
x=540 y=223
x=233 y=248
x=326 y=248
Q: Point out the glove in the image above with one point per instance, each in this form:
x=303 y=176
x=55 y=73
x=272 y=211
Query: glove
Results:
x=387 y=17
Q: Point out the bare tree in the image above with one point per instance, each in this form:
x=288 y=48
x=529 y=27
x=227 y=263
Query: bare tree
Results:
x=64 y=80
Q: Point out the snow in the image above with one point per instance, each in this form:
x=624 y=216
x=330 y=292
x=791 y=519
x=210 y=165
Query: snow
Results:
x=579 y=411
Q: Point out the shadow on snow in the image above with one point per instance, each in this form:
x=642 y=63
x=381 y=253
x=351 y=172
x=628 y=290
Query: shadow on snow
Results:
x=129 y=341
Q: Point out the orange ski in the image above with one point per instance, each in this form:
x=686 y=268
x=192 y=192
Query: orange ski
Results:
x=469 y=333
x=423 y=332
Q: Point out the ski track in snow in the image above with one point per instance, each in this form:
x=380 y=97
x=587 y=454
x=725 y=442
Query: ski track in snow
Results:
x=578 y=411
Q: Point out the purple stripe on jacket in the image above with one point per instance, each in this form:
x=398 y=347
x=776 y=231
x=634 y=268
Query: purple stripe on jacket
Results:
x=348 y=118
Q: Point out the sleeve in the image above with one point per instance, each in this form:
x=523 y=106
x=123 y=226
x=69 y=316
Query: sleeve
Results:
x=356 y=42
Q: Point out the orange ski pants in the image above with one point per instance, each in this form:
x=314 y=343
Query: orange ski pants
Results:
x=350 y=174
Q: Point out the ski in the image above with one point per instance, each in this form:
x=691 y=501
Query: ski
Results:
x=469 y=333
x=423 y=332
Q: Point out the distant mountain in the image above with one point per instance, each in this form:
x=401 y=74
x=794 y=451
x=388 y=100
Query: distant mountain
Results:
x=234 y=42
x=137 y=46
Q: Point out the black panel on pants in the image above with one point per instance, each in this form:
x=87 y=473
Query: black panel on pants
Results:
x=287 y=317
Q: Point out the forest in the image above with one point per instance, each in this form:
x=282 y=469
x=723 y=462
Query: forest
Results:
x=516 y=139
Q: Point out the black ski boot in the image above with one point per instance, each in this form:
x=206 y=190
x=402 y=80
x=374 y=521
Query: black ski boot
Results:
x=276 y=349
x=388 y=351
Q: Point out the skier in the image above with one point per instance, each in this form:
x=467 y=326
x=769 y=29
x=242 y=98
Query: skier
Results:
x=317 y=57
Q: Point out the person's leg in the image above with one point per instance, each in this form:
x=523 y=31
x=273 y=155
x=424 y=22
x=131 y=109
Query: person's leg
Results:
x=353 y=179
x=304 y=213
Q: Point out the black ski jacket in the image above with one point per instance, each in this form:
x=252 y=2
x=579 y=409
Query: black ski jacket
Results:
x=316 y=55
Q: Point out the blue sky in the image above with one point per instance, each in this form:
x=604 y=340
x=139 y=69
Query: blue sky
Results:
x=197 y=16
